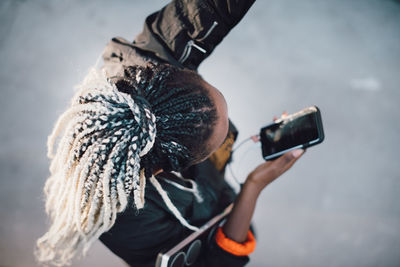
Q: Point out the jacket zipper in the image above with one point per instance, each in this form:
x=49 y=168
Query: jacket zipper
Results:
x=190 y=43
x=209 y=31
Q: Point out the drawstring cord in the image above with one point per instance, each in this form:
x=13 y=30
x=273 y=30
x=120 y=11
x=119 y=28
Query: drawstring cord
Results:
x=194 y=190
x=170 y=205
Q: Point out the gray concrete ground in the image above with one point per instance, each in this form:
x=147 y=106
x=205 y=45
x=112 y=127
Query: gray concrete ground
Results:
x=337 y=207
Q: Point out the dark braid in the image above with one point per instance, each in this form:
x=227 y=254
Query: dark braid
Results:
x=185 y=115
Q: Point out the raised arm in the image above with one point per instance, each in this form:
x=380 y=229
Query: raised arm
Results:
x=184 y=32
x=237 y=226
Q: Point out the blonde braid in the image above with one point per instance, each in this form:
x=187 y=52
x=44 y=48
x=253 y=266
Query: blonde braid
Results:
x=91 y=179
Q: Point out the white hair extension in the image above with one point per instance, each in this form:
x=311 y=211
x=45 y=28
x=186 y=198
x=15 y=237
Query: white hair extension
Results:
x=122 y=198
x=63 y=155
x=79 y=219
x=66 y=196
x=61 y=123
x=110 y=165
x=142 y=184
x=101 y=190
x=96 y=82
x=86 y=190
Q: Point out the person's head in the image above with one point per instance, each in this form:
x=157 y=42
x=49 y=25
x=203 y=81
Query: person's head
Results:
x=191 y=115
x=116 y=136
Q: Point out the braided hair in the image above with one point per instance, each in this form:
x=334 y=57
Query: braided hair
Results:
x=115 y=135
x=185 y=115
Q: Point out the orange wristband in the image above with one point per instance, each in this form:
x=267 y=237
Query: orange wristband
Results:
x=235 y=248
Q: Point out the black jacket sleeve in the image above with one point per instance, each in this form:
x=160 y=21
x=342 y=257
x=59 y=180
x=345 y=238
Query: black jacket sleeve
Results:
x=185 y=32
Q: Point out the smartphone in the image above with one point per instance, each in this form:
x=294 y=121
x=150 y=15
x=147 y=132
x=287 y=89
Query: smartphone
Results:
x=299 y=130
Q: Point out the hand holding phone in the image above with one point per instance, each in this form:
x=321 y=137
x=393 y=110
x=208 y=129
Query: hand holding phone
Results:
x=299 y=130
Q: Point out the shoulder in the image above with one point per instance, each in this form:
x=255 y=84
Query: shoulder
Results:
x=120 y=52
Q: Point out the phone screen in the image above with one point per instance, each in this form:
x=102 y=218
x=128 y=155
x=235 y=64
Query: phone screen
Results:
x=297 y=130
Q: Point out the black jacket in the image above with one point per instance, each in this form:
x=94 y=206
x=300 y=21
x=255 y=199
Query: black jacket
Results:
x=183 y=33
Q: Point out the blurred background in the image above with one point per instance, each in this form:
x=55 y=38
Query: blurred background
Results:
x=338 y=206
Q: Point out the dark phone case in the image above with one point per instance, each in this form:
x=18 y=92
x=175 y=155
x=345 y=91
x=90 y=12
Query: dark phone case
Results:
x=321 y=136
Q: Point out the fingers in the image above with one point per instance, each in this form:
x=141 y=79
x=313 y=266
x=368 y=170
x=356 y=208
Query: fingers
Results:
x=290 y=156
x=284 y=115
x=287 y=160
x=270 y=170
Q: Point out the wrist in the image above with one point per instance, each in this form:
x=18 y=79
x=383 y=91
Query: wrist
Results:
x=252 y=186
x=236 y=248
